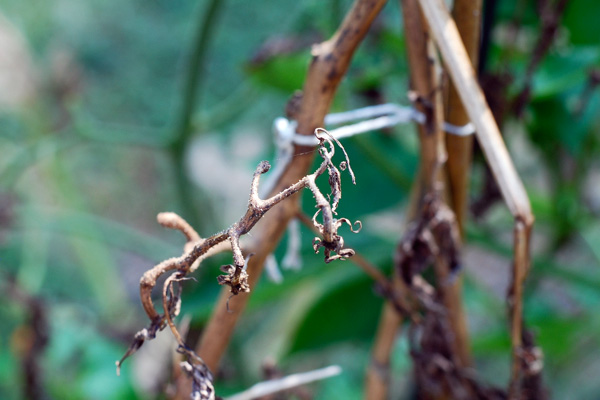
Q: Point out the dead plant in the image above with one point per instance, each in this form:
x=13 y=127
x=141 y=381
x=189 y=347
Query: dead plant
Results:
x=197 y=249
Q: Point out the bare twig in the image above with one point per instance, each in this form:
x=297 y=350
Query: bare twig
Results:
x=461 y=71
x=550 y=16
x=378 y=372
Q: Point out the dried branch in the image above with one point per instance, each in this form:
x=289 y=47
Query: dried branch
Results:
x=551 y=15
x=426 y=83
x=461 y=71
x=329 y=64
x=236 y=275
x=467 y=14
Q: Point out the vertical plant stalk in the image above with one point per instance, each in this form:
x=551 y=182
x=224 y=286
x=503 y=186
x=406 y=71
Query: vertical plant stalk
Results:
x=461 y=71
x=378 y=373
x=377 y=379
x=522 y=235
x=422 y=58
x=427 y=95
x=330 y=60
x=467 y=14
x=192 y=87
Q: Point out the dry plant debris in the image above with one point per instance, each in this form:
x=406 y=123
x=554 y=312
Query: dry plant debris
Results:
x=197 y=249
x=438 y=371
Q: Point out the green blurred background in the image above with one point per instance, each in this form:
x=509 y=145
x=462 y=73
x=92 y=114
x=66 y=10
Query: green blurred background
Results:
x=107 y=118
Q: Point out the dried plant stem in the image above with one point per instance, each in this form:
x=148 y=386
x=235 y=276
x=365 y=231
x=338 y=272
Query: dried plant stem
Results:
x=455 y=56
x=422 y=82
x=467 y=14
x=461 y=72
x=236 y=277
x=378 y=372
x=522 y=236
x=425 y=78
x=329 y=64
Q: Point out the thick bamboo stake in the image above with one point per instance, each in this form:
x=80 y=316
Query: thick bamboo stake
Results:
x=329 y=64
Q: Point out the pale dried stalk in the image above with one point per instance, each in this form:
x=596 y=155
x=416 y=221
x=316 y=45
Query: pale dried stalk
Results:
x=329 y=64
x=522 y=237
x=461 y=71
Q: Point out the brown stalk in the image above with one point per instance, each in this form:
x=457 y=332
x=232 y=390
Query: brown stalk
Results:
x=467 y=14
x=522 y=236
x=456 y=59
x=377 y=380
x=426 y=98
x=378 y=372
x=457 y=62
x=329 y=63
x=422 y=58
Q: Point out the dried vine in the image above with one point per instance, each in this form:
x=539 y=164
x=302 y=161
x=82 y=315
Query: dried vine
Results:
x=236 y=277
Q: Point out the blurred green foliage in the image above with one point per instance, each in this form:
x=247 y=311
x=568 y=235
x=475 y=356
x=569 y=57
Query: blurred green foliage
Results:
x=87 y=162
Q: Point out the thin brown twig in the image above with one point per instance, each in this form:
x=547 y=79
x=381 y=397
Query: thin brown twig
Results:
x=551 y=14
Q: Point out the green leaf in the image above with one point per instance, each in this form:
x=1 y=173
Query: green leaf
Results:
x=346 y=313
x=285 y=73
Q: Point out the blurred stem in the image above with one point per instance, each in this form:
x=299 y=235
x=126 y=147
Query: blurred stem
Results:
x=193 y=79
x=467 y=14
x=191 y=88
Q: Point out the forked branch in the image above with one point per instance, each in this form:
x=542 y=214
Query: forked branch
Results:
x=236 y=276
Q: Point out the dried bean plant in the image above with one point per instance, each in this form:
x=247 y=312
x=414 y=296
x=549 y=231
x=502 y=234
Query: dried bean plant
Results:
x=236 y=277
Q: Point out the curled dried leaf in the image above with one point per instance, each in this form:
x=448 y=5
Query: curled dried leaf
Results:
x=235 y=277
